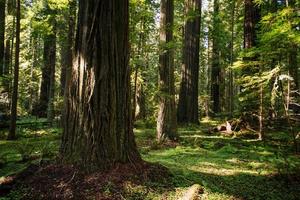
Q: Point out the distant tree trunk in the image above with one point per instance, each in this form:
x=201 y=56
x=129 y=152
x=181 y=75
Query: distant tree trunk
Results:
x=188 y=98
x=52 y=62
x=12 y=130
x=67 y=49
x=252 y=17
x=98 y=130
x=293 y=66
x=48 y=72
x=141 y=102
x=166 y=121
x=2 y=34
x=216 y=70
x=231 y=75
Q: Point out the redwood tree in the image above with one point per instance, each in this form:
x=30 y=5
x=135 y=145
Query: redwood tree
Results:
x=98 y=130
x=188 y=99
x=166 y=122
x=12 y=130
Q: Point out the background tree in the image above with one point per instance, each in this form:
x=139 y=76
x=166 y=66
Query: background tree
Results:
x=12 y=130
x=188 y=98
x=166 y=121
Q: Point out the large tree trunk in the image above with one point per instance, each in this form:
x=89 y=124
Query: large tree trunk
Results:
x=188 y=98
x=48 y=72
x=67 y=48
x=98 y=130
x=216 y=70
x=2 y=33
x=12 y=130
x=166 y=122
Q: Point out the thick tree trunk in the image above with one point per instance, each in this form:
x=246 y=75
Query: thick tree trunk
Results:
x=98 y=130
x=48 y=72
x=188 y=98
x=2 y=34
x=166 y=122
x=216 y=70
x=12 y=130
x=67 y=49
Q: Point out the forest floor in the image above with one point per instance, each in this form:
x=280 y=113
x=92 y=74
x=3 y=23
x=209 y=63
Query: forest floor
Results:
x=226 y=168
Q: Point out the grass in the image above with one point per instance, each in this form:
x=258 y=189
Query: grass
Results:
x=227 y=168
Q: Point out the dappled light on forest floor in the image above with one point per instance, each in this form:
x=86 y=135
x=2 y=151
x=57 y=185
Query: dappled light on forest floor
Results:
x=226 y=168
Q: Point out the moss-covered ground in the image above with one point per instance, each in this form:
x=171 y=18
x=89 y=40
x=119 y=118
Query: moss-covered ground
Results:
x=226 y=167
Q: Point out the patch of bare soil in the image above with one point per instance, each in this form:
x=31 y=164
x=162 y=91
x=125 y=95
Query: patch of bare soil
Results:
x=69 y=182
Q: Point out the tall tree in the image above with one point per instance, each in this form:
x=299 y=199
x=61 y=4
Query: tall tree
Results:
x=166 y=122
x=188 y=99
x=67 y=47
x=2 y=33
x=12 y=130
x=252 y=17
x=48 y=71
x=98 y=129
x=215 y=67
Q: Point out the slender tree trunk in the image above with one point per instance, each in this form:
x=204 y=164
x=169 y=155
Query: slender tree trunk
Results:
x=231 y=76
x=166 y=122
x=98 y=130
x=2 y=34
x=216 y=70
x=52 y=62
x=188 y=98
x=141 y=103
x=12 y=130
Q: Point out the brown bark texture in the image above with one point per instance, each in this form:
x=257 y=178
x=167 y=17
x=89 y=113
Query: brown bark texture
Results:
x=98 y=130
x=188 y=98
x=166 y=122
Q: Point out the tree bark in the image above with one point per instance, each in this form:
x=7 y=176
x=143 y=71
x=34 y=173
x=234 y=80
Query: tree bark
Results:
x=98 y=130
x=48 y=72
x=12 y=129
x=166 y=122
x=252 y=17
x=188 y=98
x=67 y=49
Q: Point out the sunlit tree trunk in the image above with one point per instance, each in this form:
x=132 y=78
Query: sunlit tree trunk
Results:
x=12 y=129
x=252 y=17
x=67 y=47
x=166 y=121
x=98 y=129
x=188 y=98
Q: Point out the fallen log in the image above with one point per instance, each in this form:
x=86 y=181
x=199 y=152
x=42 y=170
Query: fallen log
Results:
x=193 y=193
